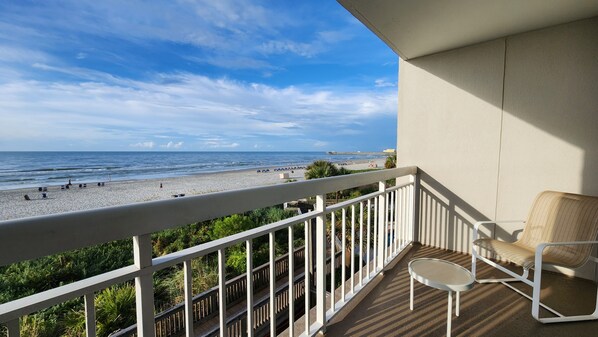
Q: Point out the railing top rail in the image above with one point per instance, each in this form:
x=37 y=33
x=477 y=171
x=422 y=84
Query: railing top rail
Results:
x=26 y=305
x=362 y=198
x=203 y=249
x=46 y=235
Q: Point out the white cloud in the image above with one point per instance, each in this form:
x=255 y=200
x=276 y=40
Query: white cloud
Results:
x=83 y=81
x=384 y=83
x=22 y=55
x=144 y=145
x=282 y=47
x=181 y=104
x=233 y=62
x=220 y=145
x=233 y=34
x=172 y=145
x=222 y=24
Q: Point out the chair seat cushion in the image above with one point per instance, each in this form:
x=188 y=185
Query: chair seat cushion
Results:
x=519 y=254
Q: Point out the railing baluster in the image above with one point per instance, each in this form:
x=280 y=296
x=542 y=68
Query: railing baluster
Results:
x=352 y=249
x=188 y=298
x=389 y=213
x=413 y=200
x=90 y=315
x=390 y=216
x=360 y=244
x=307 y=275
x=400 y=215
x=344 y=254
x=144 y=286
x=321 y=261
x=332 y=261
x=395 y=222
x=381 y=224
x=291 y=283
x=249 y=276
x=369 y=223
x=376 y=234
x=222 y=292
x=406 y=211
x=272 y=252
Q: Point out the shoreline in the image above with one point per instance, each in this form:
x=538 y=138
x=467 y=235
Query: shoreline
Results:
x=122 y=192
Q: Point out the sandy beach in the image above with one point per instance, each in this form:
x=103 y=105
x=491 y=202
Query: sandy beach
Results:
x=115 y=193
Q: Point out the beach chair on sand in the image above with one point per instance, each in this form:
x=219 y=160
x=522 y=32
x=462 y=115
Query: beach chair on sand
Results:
x=560 y=230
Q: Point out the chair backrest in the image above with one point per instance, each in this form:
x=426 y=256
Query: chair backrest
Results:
x=562 y=217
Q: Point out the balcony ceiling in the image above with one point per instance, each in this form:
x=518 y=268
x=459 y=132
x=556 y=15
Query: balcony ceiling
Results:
x=414 y=28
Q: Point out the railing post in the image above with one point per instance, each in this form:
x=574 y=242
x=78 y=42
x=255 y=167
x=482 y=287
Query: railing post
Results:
x=321 y=262
x=415 y=204
x=381 y=224
x=144 y=286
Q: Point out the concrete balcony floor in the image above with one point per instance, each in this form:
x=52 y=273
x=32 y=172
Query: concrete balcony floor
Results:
x=486 y=310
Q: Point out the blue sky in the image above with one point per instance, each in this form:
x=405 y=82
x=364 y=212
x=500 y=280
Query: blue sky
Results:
x=191 y=75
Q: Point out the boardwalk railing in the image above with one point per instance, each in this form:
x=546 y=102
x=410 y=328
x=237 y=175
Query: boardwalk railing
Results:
x=373 y=229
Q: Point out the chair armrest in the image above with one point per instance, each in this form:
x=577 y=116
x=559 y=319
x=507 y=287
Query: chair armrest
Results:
x=540 y=249
x=477 y=225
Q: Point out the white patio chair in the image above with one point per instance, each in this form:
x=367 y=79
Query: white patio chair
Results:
x=560 y=230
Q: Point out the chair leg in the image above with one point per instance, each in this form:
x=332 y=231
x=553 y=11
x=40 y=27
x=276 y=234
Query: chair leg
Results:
x=473 y=262
x=518 y=278
x=560 y=318
x=536 y=293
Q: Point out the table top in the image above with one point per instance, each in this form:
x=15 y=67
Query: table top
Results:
x=441 y=274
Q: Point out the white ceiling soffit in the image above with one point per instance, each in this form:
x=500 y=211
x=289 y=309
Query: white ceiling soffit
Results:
x=414 y=28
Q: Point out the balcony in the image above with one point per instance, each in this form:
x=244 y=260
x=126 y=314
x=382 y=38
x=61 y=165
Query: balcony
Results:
x=486 y=310
x=373 y=238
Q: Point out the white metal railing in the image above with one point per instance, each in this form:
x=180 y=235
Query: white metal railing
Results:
x=381 y=224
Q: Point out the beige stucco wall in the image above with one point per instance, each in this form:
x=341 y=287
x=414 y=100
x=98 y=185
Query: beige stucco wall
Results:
x=550 y=127
x=493 y=124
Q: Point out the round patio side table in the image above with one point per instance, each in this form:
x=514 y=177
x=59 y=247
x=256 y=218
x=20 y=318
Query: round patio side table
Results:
x=443 y=275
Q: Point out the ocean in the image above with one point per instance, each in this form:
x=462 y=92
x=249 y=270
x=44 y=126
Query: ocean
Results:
x=38 y=169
